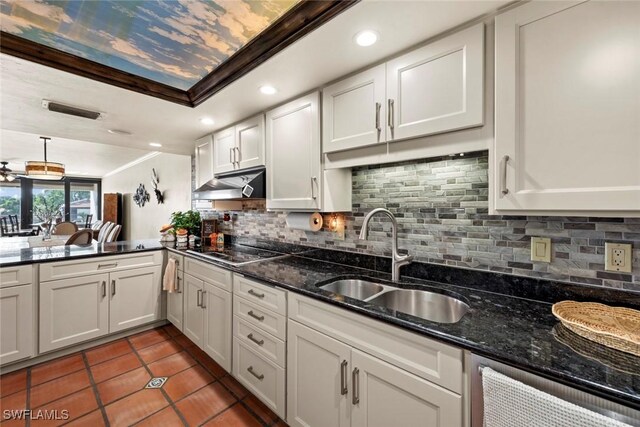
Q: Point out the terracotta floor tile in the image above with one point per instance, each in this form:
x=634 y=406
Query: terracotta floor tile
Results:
x=171 y=330
x=187 y=381
x=77 y=405
x=158 y=351
x=259 y=408
x=60 y=387
x=56 y=368
x=14 y=423
x=281 y=423
x=147 y=338
x=235 y=387
x=108 y=351
x=171 y=365
x=135 y=407
x=184 y=341
x=236 y=416
x=202 y=357
x=165 y=418
x=115 y=367
x=13 y=382
x=205 y=403
x=123 y=385
x=92 y=419
x=14 y=401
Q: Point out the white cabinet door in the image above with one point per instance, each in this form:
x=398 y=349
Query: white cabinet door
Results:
x=204 y=160
x=354 y=111
x=250 y=142
x=174 y=303
x=135 y=297
x=294 y=155
x=193 y=313
x=224 y=155
x=568 y=107
x=16 y=323
x=217 y=324
x=384 y=395
x=73 y=310
x=318 y=373
x=438 y=87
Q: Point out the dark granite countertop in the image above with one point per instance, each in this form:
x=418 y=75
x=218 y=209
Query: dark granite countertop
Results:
x=22 y=256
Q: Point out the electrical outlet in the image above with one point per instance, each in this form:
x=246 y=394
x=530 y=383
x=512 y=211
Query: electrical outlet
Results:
x=541 y=249
x=617 y=257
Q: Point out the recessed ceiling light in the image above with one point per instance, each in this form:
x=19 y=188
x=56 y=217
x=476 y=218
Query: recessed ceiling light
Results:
x=366 y=38
x=267 y=90
x=155 y=144
x=118 y=132
x=206 y=121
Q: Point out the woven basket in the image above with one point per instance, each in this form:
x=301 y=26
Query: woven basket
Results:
x=615 y=327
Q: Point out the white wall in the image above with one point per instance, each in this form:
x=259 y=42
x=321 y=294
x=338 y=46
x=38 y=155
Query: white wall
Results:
x=174 y=172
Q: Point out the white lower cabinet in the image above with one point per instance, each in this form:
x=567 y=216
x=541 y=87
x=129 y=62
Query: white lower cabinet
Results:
x=16 y=323
x=73 y=310
x=208 y=311
x=135 y=298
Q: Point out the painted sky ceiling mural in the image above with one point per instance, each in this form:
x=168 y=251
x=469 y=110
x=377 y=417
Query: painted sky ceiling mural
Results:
x=174 y=42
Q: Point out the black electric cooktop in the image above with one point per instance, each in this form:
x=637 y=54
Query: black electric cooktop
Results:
x=236 y=254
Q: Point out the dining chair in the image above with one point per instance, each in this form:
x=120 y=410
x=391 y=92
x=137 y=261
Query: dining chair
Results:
x=65 y=228
x=88 y=220
x=113 y=235
x=15 y=224
x=104 y=231
x=81 y=237
x=4 y=227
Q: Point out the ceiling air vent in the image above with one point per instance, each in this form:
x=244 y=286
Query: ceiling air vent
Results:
x=72 y=111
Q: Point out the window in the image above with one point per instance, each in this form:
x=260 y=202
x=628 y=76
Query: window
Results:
x=10 y=198
x=48 y=201
x=83 y=201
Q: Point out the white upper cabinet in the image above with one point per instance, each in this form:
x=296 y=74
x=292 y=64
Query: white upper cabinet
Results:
x=224 y=150
x=204 y=160
x=354 y=111
x=568 y=108
x=239 y=147
x=250 y=143
x=438 y=87
x=293 y=155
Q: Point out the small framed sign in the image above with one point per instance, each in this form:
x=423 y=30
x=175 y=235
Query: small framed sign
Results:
x=209 y=226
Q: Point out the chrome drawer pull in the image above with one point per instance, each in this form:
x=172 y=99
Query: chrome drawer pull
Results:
x=198 y=295
x=202 y=299
x=343 y=378
x=113 y=287
x=259 y=342
x=113 y=265
x=356 y=387
x=255 y=294
x=104 y=288
x=260 y=377
x=252 y=314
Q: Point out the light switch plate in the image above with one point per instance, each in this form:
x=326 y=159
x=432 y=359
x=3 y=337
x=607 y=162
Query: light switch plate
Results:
x=541 y=249
x=617 y=257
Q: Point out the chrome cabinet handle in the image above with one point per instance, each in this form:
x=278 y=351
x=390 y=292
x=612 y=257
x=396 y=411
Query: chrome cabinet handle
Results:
x=313 y=193
x=504 y=190
x=378 y=106
x=202 y=299
x=113 y=265
x=255 y=294
x=252 y=314
x=259 y=342
x=252 y=372
x=239 y=156
x=113 y=287
x=356 y=387
x=198 y=295
x=178 y=281
x=343 y=378
x=390 y=113
x=104 y=288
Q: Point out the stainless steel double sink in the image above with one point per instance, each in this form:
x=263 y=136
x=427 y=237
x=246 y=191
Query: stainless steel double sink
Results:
x=427 y=305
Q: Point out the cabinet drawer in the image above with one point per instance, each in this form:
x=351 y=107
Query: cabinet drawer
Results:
x=262 y=377
x=432 y=360
x=265 y=344
x=79 y=268
x=266 y=320
x=19 y=275
x=265 y=296
x=179 y=260
x=216 y=276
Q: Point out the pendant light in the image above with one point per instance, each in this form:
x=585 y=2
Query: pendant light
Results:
x=44 y=170
x=5 y=173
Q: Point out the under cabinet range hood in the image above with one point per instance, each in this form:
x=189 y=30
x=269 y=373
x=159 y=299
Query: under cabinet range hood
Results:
x=249 y=184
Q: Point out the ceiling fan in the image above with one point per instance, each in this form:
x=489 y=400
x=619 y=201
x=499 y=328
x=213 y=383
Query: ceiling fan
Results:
x=5 y=173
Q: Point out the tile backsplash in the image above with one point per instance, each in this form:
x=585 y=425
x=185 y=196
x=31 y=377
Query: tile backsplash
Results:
x=442 y=210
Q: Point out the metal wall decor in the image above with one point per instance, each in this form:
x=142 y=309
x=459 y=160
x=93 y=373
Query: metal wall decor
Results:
x=156 y=181
x=141 y=196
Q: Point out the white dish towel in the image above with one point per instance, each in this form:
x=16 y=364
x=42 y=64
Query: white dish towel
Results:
x=170 y=274
x=510 y=403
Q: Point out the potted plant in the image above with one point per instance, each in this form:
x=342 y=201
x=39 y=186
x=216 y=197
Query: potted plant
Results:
x=189 y=220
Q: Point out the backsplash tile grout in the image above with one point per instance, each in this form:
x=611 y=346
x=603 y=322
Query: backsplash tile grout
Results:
x=442 y=210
